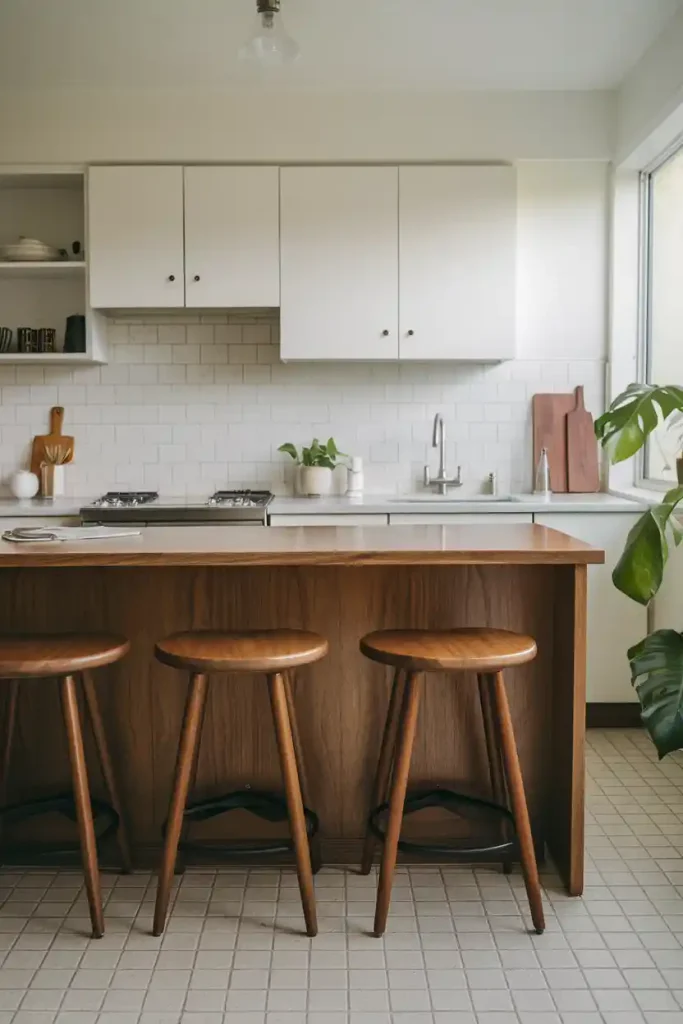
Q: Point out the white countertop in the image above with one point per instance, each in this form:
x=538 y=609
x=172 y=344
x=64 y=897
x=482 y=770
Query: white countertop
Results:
x=10 y=508
x=386 y=504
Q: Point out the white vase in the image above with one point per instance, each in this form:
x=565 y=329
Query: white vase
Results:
x=316 y=481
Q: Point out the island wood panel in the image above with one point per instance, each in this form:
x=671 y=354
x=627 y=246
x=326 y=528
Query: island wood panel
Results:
x=341 y=701
x=567 y=806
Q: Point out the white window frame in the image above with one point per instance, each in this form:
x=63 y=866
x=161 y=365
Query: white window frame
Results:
x=644 y=358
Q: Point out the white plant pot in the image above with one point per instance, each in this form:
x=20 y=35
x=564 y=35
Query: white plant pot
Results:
x=315 y=481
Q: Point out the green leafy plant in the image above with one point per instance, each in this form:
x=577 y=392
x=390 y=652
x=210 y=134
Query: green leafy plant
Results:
x=657 y=661
x=318 y=454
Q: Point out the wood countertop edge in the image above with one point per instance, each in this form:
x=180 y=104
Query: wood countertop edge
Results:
x=52 y=559
x=521 y=544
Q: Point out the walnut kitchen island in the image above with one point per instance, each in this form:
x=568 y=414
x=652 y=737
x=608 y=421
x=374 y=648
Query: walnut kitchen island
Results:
x=341 y=582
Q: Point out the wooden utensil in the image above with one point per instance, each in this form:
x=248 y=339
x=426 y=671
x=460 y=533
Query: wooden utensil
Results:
x=55 y=439
x=550 y=431
x=583 y=473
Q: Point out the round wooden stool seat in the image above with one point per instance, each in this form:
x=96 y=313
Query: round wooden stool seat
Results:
x=474 y=649
x=263 y=650
x=60 y=654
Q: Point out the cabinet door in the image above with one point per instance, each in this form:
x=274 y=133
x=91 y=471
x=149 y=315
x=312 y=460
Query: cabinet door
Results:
x=615 y=623
x=457 y=262
x=459 y=518
x=339 y=262
x=232 y=253
x=330 y=519
x=135 y=237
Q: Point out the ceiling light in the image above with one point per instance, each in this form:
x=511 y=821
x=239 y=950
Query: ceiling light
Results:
x=269 y=43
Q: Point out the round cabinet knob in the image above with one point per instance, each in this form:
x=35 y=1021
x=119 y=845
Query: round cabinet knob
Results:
x=411 y=333
x=385 y=333
x=196 y=277
x=171 y=277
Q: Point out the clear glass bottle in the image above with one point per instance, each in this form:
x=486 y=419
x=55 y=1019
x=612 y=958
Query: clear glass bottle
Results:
x=542 y=478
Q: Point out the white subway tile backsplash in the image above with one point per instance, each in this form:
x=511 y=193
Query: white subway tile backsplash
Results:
x=191 y=402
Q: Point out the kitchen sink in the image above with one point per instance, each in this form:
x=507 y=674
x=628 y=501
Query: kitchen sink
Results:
x=451 y=499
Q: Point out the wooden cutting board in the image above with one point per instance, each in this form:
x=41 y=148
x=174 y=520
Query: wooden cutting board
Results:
x=583 y=472
x=51 y=440
x=550 y=431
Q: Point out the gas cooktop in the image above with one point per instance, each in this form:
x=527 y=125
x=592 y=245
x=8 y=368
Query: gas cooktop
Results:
x=232 y=507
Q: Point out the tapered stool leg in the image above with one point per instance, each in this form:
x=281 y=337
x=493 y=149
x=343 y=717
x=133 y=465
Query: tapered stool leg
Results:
x=384 y=765
x=493 y=750
x=189 y=738
x=8 y=737
x=404 y=749
x=100 y=735
x=86 y=828
x=179 y=866
x=518 y=801
x=316 y=857
x=295 y=806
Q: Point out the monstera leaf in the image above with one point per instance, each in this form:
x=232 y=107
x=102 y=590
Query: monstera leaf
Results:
x=639 y=571
x=634 y=414
x=657 y=673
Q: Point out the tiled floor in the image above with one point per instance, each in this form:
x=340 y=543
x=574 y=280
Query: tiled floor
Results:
x=457 y=950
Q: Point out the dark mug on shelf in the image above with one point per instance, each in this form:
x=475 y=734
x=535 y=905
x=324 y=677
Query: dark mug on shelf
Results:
x=74 y=337
x=6 y=334
x=47 y=339
x=27 y=339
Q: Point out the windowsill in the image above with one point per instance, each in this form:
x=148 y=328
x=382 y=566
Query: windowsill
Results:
x=647 y=495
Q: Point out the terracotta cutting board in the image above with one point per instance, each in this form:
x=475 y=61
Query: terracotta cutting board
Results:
x=583 y=473
x=54 y=438
x=550 y=431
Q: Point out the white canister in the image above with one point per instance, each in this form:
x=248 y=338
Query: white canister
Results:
x=355 y=481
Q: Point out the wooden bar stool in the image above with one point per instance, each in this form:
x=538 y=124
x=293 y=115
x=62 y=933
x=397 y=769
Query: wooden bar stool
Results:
x=272 y=653
x=412 y=652
x=66 y=657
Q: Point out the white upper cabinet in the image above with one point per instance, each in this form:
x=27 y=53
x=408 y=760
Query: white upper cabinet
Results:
x=457 y=229
x=339 y=262
x=232 y=237
x=366 y=263
x=135 y=237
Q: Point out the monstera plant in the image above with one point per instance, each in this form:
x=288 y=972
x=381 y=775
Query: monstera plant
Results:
x=657 y=661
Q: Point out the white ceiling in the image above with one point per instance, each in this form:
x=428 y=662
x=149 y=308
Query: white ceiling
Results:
x=435 y=45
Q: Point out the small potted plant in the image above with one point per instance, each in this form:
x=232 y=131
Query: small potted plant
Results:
x=316 y=465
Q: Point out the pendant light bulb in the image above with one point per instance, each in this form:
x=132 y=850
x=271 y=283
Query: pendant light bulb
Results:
x=269 y=43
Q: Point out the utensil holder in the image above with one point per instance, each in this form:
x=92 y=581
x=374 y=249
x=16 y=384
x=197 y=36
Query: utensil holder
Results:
x=47 y=479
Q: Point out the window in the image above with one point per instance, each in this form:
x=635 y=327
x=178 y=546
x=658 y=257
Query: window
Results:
x=662 y=304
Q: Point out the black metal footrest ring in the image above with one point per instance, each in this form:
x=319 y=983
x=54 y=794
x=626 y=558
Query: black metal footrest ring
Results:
x=105 y=820
x=457 y=803
x=265 y=805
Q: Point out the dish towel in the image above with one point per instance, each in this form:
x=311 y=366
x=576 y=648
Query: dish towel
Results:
x=50 y=534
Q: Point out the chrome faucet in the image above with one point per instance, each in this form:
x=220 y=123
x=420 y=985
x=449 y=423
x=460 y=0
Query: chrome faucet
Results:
x=442 y=481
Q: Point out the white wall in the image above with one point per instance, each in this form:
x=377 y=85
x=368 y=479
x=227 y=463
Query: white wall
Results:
x=91 y=126
x=562 y=259
x=211 y=405
x=188 y=404
x=650 y=100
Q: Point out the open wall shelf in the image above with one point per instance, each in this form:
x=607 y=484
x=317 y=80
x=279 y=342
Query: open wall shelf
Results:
x=50 y=207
